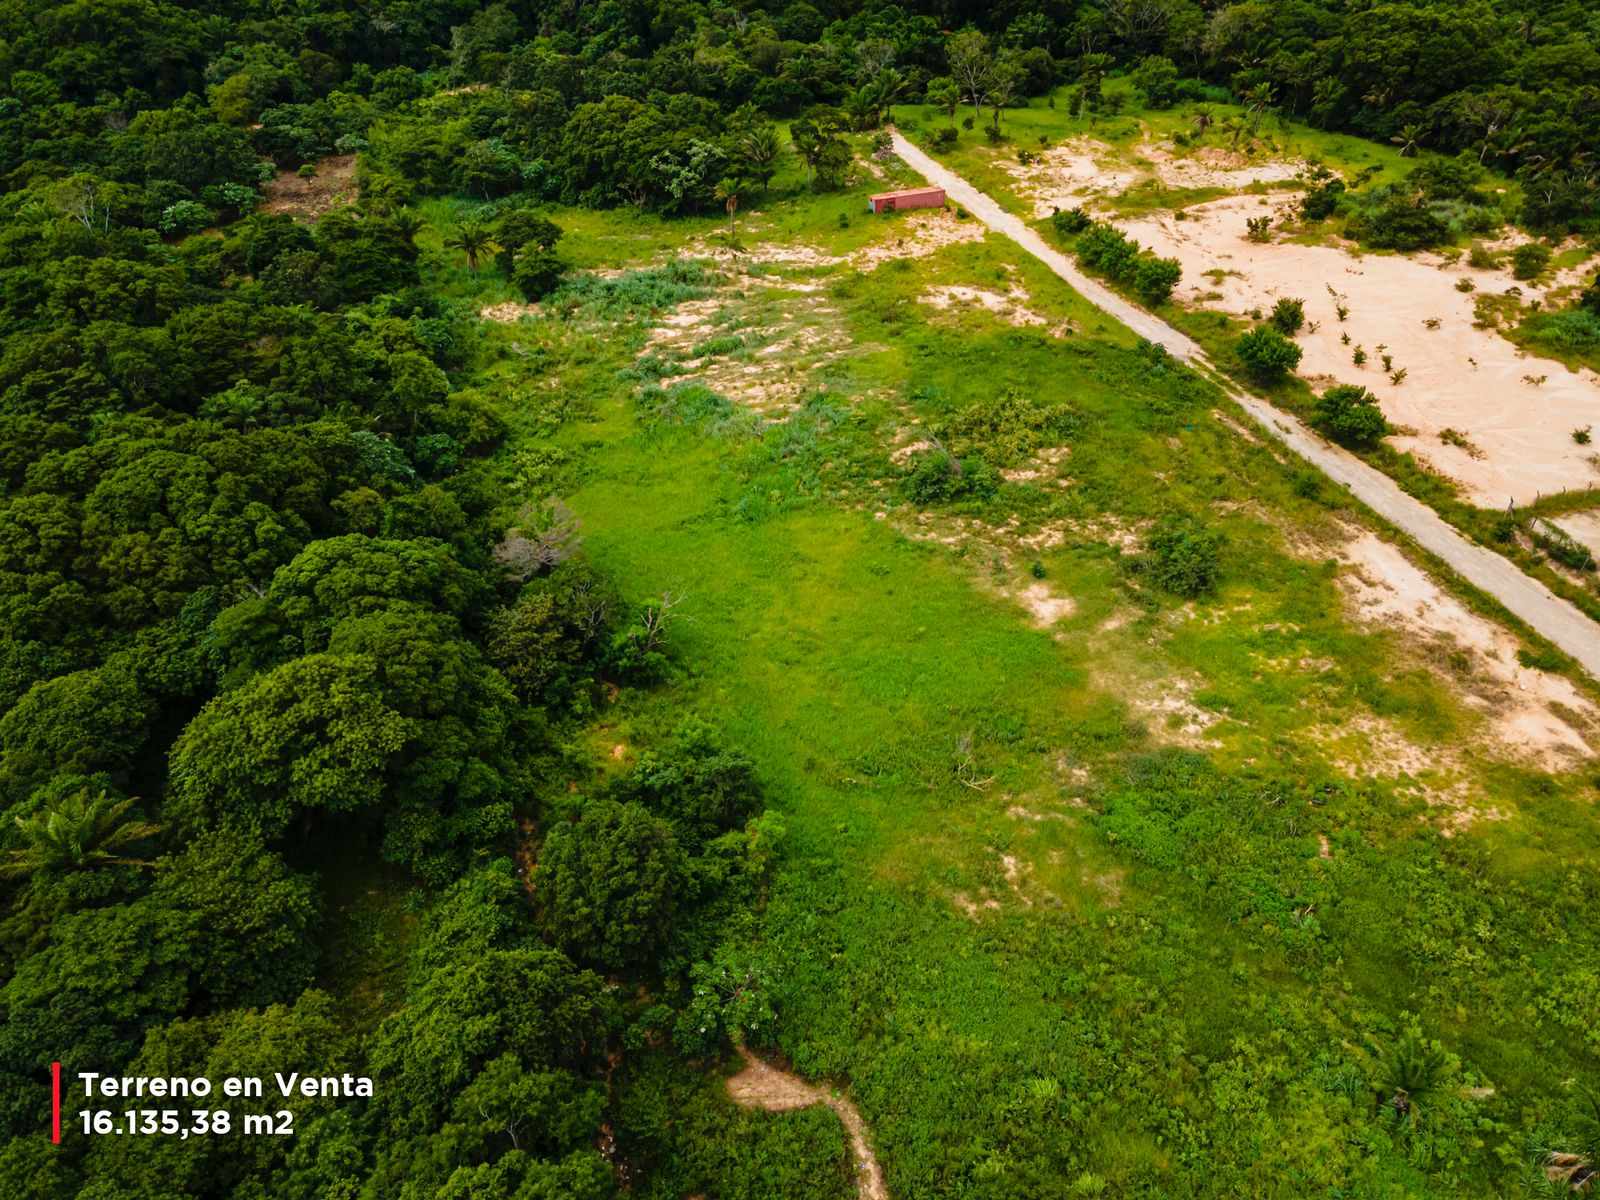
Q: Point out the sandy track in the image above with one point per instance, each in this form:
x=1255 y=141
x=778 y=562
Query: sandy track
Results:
x=1552 y=617
x=762 y=1085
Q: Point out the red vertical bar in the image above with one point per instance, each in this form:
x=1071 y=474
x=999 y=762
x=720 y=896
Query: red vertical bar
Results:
x=55 y=1104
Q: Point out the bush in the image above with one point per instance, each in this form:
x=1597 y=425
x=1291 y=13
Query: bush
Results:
x=1288 y=316
x=1154 y=278
x=1267 y=354
x=537 y=272
x=945 y=138
x=1320 y=201
x=1104 y=249
x=1157 y=78
x=1182 y=556
x=1528 y=261
x=1399 y=224
x=186 y=216
x=1071 y=222
x=940 y=477
x=1350 y=416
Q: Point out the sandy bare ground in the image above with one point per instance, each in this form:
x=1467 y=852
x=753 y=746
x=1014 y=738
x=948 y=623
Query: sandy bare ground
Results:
x=1083 y=169
x=1516 y=411
x=1583 y=527
x=762 y=1085
x=915 y=234
x=1551 y=616
x=774 y=372
x=1532 y=713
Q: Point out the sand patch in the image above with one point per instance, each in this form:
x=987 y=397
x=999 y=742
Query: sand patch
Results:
x=1067 y=175
x=333 y=186
x=1044 y=606
x=1010 y=306
x=762 y=1085
x=1534 y=714
x=767 y=368
x=1457 y=376
x=1215 y=167
x=1583 y=528
x=508 y=311
x=917 y=234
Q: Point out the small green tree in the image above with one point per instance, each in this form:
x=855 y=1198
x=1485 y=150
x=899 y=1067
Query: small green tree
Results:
x=943 y=93
x=537 y=272
x=1350 y=416
x=1288 y=316
x=1157 y=78
x=607 y=883
x=1528 y=261
x=473 y=239
x=1267 y=354
x=1182 y=556
x=1154 y=278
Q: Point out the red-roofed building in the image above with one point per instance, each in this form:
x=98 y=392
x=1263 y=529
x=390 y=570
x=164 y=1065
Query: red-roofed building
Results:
x=923 y=197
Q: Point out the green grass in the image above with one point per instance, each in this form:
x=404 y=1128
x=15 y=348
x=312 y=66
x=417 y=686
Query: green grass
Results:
x=1170 y=992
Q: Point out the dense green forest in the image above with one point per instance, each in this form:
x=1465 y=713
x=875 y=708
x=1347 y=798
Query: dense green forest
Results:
x=277 y=639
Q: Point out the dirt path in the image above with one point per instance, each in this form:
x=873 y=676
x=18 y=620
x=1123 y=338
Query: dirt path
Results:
x=761 y=1085
x=1527 y=598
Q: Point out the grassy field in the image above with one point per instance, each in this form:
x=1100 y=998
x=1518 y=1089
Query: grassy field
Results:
x=1140 y=902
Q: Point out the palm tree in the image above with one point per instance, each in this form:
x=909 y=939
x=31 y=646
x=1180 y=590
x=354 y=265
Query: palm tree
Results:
x=1409 y=137
x=77 y=833
x=1409 y=1073
x=759 y=149
x=1257 y=101
x=727 y=191
x=1204 y=118
x=473 y=239
x=407 y=224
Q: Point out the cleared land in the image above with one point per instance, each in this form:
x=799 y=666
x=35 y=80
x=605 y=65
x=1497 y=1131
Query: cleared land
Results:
x=1551 y=616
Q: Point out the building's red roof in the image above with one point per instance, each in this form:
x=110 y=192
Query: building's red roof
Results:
x=921 y=191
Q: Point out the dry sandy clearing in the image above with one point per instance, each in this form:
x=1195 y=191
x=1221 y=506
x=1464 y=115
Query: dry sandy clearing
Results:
x=1514 y=412
x=1531 y=713
x=1583 y=527
x=1081 y=169
x=761 y=1085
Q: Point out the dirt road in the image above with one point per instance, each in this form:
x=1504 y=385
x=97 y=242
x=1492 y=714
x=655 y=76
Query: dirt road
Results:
x=762 y=1085
x=1557 y=620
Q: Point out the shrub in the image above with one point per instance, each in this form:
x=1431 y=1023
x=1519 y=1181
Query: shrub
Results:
x=537 y=271
x=1590 y=300
x=1398 y=224
x=1267 y=354
x=1154 y=278
x=945 y=138
x=1350 y=416
x=1182 y=556
x=1528 y=261
x=186 y=216
x=1320 y=201
x=1258 y=229
x=1105 y=249
x=1071 y=222
x=940 y=476
x=1288 y=316
x=1157 y=78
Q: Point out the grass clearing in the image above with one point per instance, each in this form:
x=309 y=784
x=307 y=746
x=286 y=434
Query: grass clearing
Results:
x=1086 y=887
